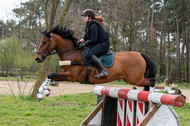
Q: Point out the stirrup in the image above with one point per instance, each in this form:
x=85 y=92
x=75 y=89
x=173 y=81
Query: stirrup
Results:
x=102 y=74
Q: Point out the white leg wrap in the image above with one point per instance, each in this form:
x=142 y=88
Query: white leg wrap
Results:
x=43 y=88
x=40 y=96
x=46 y=83
x=151 y=89
x=40 y=92
x=47 y=92
x=46 y=87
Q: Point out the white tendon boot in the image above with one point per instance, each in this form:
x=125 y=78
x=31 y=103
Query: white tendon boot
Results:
x=46 y=89
x=40 y=93
x=151 y=89
x=43 y=88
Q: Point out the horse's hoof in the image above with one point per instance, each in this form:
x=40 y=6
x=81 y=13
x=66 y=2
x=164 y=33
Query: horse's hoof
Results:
x=47 y=92
x=39 y=99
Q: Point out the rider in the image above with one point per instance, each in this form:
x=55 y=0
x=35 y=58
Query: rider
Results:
x=96 y=39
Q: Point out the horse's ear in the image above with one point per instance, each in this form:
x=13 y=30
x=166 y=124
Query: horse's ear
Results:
x=41 y=32
x=50 y=30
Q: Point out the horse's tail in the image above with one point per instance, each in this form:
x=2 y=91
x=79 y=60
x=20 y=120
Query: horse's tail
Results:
x=150 y=67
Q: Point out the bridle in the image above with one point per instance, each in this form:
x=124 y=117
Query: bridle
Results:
x=47 y=51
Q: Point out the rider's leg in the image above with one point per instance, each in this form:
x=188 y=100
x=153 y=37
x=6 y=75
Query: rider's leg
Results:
x=96 y=61
x=98 y=50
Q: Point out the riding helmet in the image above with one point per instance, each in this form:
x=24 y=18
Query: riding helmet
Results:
x=88 y=12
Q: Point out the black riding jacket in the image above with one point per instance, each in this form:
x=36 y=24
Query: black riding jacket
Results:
x=95 y=33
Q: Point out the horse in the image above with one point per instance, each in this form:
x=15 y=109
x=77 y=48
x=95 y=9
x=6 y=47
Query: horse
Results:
x=133 y=67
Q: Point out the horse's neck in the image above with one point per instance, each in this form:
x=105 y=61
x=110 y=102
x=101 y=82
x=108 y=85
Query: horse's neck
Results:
x=65 y=48
x=70 y=55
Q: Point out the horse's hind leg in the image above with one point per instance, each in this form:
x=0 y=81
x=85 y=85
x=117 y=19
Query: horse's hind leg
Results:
x=151 y=86
x=147 y=83
x=146 y=88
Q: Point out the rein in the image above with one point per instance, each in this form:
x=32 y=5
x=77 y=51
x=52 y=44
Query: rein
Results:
x=48 y=52
x=53 y=53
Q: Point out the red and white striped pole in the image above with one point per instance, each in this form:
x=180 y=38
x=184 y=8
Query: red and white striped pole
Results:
x=144 y=96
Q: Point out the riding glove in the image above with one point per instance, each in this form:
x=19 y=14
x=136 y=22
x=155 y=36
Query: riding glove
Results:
x=81 y=46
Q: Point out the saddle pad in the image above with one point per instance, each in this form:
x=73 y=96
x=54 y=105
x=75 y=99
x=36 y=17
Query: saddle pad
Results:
x=107 y=59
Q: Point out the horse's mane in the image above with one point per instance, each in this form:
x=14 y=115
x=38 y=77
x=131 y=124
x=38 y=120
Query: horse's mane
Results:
x=64 y=33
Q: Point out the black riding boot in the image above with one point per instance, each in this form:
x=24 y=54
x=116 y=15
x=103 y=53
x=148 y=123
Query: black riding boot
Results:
x=97 y=62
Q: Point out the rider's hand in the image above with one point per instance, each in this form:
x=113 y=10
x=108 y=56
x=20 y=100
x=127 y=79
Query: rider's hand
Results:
x=82 y=40
x=81 y=46
x=78 y=43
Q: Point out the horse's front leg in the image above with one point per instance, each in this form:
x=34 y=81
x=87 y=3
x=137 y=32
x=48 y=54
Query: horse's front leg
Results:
x=44 y=87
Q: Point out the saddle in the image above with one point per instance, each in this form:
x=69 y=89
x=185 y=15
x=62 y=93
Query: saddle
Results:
x=107 y=59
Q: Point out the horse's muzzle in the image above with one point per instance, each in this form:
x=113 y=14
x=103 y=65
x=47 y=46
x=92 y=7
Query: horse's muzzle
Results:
x=38 y=60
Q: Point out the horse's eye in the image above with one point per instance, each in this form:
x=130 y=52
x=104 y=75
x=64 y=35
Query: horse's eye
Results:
x=44 y=42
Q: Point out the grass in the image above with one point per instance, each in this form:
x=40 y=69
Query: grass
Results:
x=65 y=110
x=184 y=114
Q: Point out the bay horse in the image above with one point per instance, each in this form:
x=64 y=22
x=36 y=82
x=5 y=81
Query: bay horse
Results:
x=133 y=67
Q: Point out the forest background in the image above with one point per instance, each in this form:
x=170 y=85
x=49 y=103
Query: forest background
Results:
x=159 y=28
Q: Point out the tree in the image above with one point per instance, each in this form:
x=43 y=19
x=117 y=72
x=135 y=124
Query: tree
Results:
x=28 y=14
x=43 y=69
x=188 y=50
x=9 y=48
x=159 y=28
